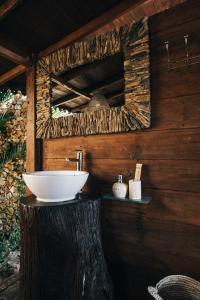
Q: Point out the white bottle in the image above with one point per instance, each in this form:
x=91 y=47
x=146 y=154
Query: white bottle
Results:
x=119 y=188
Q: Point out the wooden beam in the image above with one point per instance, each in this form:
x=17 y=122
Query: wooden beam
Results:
x=58 y=91
x=12 y=74
x=14 y=57
x=93 y=25
x=63 y=100
x=69 y=86
x=14 y=51
x=33 y=145
x=112 y=98
x=31 y=128
x=7 y=7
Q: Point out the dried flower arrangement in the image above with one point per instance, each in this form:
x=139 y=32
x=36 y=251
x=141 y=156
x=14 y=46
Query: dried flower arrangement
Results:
x=12 y=165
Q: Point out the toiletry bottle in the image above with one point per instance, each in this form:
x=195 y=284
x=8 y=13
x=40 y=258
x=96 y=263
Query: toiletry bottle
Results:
x=135 y=192
x=119 y=188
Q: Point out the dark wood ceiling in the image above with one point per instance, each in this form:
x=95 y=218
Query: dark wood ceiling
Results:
x=16 y=84
x=38 y=24
x=5 y=65
x=34 y=25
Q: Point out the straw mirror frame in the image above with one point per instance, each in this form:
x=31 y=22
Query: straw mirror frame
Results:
x=133 y=41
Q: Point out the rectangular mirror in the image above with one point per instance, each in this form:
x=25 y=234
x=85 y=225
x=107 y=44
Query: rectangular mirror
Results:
x=102 y=80
x=98 y=85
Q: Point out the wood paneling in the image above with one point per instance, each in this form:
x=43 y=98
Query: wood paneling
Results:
x=177 y=175
x=30 y=141
x=172 y=84
x=147 y=242
x=176 y=16
x=33 y=147
x=173 y=144
x=176 y=42
x=160 y=238
x=13 y=56
x=173 y=206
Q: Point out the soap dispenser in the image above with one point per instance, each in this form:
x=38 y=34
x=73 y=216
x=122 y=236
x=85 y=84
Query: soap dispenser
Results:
x=119 y=188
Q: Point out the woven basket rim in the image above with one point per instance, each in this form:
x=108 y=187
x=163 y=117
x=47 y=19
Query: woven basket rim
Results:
x=177 y=279
x=176 y=285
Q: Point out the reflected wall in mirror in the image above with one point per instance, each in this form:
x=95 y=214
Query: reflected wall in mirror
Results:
x=98 y=85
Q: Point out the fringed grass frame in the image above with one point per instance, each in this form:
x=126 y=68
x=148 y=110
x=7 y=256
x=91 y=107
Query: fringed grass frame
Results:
x=133 y=40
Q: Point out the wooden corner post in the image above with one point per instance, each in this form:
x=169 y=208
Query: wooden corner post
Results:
x=33 y=146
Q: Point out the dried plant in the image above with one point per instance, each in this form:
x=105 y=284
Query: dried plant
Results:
x=12 y=165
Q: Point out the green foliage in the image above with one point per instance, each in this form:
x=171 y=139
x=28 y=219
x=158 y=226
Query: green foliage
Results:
x=5 y=95
x=3 y=120
x=58 y=113
x=4 y=251
x=8 y=244
x=5 y=98
x=14 y=238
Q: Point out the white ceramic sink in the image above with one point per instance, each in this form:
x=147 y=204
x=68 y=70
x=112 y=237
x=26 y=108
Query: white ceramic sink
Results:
x=55 y=186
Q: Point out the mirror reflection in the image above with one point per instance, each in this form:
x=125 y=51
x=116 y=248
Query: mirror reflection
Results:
x=89 y=87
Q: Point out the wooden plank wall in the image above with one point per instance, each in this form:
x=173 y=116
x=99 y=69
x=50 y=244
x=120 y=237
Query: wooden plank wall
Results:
x=145 y=243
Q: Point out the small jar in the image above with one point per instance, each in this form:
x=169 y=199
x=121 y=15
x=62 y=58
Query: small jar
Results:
x=135 y=192
x=119 y=188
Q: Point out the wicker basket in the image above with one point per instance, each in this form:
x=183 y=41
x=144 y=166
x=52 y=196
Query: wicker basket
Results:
x=176 y=287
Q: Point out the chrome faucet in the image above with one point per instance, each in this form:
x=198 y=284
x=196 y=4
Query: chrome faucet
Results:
x=78 y=160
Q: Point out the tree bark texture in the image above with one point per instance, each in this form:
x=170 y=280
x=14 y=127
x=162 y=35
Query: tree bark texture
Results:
x=61 y=251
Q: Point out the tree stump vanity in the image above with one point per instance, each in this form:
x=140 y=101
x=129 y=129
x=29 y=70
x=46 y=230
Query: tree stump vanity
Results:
x=61 y=250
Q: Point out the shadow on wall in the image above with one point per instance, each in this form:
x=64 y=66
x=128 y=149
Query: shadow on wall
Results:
x=131 y=282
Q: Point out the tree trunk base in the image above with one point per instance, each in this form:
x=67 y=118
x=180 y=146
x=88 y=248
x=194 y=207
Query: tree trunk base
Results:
x=61 y=251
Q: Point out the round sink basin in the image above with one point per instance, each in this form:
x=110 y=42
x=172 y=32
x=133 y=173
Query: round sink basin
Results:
x=55 y=186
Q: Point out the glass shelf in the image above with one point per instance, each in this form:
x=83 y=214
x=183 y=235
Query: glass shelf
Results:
x=144 y=200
